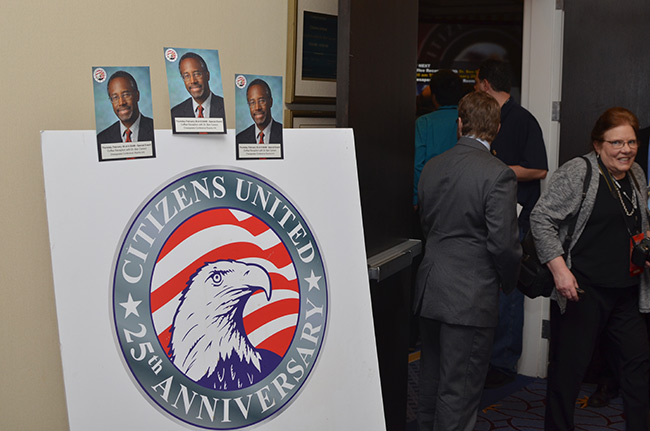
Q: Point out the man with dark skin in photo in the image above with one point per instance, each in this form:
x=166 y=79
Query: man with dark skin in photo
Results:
x=124 y=96
x=265 y=130
x=203 y=103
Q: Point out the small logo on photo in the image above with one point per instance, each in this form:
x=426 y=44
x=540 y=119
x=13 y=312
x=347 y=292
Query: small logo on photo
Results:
x=99 y=74
x=171 y=54
x=240 y=81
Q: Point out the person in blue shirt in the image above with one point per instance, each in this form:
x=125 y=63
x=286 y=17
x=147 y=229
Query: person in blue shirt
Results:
x=436 y=132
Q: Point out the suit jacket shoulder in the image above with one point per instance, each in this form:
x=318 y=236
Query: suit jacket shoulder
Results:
x=217 y=108
x=183 y=109
x=146 y=132
x=246 y=136
x=110 y=134
x=276 y=133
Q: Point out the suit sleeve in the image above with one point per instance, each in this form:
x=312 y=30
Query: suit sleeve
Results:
x=503 y=234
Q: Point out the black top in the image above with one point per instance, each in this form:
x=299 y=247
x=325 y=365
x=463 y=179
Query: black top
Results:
x=601 y=255
x=520 y=142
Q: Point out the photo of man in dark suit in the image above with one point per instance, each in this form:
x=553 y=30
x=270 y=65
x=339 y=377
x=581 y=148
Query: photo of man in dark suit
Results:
x=203 y=103
x=264 y=130
x=132 y=126
x=467 y=200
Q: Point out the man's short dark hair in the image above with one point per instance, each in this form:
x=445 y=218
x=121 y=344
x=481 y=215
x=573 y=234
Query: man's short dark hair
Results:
x=196 y=57
x=125 y=75
x=262 y=83
x=447 y=86
x=497 y=73
x=480 y=114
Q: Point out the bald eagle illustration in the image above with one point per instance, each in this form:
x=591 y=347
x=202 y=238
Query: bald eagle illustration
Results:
x=208 y=342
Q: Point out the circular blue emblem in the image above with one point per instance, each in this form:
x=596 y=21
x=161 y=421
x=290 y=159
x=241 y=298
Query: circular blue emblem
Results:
x=220 y=299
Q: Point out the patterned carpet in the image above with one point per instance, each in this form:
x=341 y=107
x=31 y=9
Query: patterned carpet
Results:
x=520 y=406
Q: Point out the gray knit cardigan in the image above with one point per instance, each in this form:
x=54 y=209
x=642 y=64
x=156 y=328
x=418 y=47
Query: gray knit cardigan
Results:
x=550 y=219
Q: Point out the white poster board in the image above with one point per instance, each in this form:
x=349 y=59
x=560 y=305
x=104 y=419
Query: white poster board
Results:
x=97 y=214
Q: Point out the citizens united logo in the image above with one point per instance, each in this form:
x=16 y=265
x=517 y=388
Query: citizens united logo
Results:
x=220 y=299
x=240 y=81
x=99 y=74
x=171 y=55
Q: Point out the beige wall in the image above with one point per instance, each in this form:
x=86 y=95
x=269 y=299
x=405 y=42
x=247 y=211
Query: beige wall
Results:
x=48 y=49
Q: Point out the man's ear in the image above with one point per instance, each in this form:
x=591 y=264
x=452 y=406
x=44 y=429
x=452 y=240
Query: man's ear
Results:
x=487 y=87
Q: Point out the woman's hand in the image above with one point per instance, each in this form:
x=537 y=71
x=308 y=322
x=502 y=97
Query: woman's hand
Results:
x=565 y=282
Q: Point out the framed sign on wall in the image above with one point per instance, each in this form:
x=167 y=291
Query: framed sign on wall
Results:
x=311 y=54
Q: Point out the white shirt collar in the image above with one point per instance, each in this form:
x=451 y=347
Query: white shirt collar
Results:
x=135 y=128
x=206 y=106
x=482 y=141
x=266 y=130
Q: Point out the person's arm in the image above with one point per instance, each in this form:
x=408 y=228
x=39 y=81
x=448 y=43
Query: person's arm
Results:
x=503 y=233
x=565 y=283
x=533 y=163
x=528 y=174
x=559 y=202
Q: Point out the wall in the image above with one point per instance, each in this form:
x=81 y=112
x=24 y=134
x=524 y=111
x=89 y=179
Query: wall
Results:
x=607 y=65
x=541 y=86
x=48 y=48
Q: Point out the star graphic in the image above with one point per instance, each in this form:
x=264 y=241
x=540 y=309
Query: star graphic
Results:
x=313 y=281
x=131 y=307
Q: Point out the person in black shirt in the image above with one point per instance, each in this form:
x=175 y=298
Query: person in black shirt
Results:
x=520 y=145
x=598 y=291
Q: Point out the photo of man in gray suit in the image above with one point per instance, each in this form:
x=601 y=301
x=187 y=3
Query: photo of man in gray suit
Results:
x=467 y=201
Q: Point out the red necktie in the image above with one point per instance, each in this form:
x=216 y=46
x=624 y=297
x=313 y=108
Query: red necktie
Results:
x=200 y=111
x=128 y=135
x=261 y=141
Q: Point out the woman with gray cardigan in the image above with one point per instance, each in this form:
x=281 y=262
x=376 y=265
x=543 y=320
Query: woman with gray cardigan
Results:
x=598 y=291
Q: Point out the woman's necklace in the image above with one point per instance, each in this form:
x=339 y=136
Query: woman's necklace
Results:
x=620 y=198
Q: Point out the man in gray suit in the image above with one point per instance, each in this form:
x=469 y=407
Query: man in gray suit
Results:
x=468 y=212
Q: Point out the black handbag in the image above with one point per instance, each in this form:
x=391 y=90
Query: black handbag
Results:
x=535 y=279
